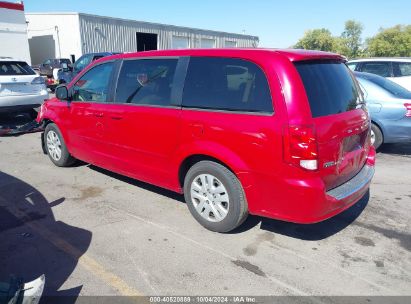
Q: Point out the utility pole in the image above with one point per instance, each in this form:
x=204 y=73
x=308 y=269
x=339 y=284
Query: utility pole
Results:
x=58 y=39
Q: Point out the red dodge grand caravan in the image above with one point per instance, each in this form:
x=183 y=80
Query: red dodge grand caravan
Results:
x=282 y=134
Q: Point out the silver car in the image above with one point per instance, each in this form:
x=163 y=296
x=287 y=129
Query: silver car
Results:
x=390 y=108
x=20 y=87
x=397 y=70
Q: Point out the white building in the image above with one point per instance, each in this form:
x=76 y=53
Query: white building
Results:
x=13 y=32
x=67 y=35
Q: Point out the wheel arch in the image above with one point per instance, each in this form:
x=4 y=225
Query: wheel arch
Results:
x=379 y=126
x=191 y=160
x=226 y=158
x=44 y=123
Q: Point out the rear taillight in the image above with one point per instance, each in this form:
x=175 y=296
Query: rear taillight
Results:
x=371 y=156
x=408 y=107
x=300 y=147
x=38 y=80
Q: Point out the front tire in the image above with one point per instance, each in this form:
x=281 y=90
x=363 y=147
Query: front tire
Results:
x=215 y=197
x=56 y=147
x=377 y=138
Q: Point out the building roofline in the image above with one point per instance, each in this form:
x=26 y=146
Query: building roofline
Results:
x=53 y=13
x=185 y=28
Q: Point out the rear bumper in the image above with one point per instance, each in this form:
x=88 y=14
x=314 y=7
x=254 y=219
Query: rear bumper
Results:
x=9 y=103
x=358 y=182
x=306 y=201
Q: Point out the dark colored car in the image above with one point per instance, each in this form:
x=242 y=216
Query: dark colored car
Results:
x=283 y=134
x=390 y=108
x=47 y=67
x=66 y=75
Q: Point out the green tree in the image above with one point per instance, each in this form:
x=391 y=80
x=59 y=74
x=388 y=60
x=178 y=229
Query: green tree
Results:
x=391 y=42
x=350 y=40
x=317 y=39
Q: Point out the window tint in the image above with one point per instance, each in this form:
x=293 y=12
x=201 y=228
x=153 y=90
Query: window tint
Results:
x=82 y=62
x=226 y=84
x=146 y=81
x=14 y=68
x=329 y=86
x=94 y=85
x=379 y=68
x=97 y=57
x=405 y=68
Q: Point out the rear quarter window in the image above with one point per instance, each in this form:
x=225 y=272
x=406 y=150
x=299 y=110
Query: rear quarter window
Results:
x=405 y=68
x=329 y=86
x=226 y=84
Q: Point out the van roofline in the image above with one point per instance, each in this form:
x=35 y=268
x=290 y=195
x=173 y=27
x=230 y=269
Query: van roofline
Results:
x=290 y=54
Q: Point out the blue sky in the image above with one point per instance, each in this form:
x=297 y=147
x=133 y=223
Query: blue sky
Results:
x=277 y=23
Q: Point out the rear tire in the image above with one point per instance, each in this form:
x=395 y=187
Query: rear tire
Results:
x=56 y=147
x=377 y=138
x=215 y=197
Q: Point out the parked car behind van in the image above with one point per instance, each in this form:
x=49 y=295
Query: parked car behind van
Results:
x=390 y=109
x=397 y=70
x=46 y=68
x=277 y=133
x=20 y=87
x=65 y=75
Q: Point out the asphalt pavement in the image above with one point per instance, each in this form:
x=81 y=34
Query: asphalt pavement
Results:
x=92 y=232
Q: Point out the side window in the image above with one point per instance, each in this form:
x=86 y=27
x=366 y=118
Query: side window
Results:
x=352 y=66
x=405 y=68
x=48 y=61
x=226 y=84
x=82 y=62
x=379 y=68
x=146 y=81
x=97 y=57
x=94 y=85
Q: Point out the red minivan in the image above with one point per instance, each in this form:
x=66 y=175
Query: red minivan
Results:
x=282 y=134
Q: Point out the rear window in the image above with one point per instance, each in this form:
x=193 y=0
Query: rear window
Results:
x=329 y=86
x=65 y=61
x=388 y=85
x=226 y=84
x=15 y=68
x=379 y=68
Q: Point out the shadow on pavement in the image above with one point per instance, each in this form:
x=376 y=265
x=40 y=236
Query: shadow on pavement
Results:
x=309 y=232
x=33 y=243
x=396 y=149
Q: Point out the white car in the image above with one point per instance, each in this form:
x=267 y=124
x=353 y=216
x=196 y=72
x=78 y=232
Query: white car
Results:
x=397 y=70
x=20 y=87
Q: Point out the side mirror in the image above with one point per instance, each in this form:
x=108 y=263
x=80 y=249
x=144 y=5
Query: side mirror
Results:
x=62 y=93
